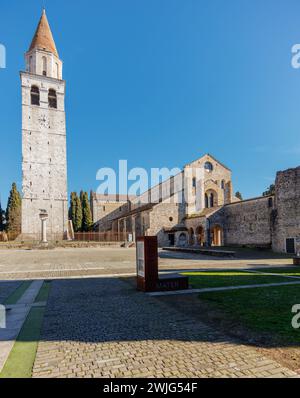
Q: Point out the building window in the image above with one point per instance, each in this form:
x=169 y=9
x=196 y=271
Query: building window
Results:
x=44 y=59
x=223 y=184
x=194 y=182
x=208 y=166
x=170 y=219
x=35 y=96
x=52 y=98
x=270 y=202
x=210 y=200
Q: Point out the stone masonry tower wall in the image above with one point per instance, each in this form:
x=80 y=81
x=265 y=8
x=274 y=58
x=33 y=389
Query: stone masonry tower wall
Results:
x=44 y=163
x=287 y=220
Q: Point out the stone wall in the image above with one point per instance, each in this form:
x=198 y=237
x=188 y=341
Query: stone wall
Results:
x=287 y=202
x=163 y=218
x=248 y=223
x=114 y=212
x=102 y=206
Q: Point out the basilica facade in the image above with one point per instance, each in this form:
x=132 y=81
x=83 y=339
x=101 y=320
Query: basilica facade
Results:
x=201 y=210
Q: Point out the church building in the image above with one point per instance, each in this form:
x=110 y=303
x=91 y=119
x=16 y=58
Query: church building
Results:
x=195 y=208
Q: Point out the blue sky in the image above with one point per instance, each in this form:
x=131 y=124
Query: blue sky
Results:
x=162 y=82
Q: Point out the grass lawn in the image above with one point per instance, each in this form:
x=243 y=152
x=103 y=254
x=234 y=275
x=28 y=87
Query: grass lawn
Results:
x=289 y=271
x=264 y=310
x=207 y=279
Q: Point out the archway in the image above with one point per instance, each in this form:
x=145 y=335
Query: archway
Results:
x=216 y=235
x=191 y=237
x=200 y=236
x=182 y=240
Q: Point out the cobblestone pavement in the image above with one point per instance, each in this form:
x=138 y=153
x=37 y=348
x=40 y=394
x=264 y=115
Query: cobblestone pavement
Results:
x=74 y=262
x=104 y=328
x=7 y=288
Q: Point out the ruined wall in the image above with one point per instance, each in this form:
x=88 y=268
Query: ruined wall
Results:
x=287 y=202
x=248 y=223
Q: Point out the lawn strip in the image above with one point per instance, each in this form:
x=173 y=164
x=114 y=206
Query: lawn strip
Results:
x=289 y=271
x=21 y=358
x=212 y=279
x=44 y=292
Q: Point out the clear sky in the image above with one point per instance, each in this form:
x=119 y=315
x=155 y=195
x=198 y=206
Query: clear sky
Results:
x=162 y=82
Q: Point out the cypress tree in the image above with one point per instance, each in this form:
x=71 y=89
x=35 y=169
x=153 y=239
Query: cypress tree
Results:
x=2 y=218
x=78 y=214
x=72 y=209
x=239 y=195
x=13 y=212
x=87 y=221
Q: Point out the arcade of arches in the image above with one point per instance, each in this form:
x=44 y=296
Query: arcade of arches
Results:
x=197 y=237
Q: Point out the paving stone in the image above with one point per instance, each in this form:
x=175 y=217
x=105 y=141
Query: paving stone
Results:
x=104 y=328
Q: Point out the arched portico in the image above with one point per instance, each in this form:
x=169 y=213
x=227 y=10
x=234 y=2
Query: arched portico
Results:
x=191 y=237
x=216 y=235
x=182 y=239
x=200 y=236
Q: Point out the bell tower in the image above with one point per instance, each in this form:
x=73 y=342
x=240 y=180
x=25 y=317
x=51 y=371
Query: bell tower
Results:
x=44 y=163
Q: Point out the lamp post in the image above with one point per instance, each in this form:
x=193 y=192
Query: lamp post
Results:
x=44 y=218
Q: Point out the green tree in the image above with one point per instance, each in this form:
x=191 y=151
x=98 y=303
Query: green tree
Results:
x=78 y=214
x=239 y=195
x=270 y=190
x=13 y=211
x=72 y=208
x=2 y=218
x=87 y=221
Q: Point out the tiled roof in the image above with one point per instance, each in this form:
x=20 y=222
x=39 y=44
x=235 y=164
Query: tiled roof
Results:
x=43 y=38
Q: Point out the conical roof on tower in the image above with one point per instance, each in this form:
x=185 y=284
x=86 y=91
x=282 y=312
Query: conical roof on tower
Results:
x=43 y=38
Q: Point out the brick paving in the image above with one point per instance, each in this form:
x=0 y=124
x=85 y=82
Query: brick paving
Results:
x=104 y=328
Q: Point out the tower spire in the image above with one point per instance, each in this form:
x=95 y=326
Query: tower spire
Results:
x=43 y=38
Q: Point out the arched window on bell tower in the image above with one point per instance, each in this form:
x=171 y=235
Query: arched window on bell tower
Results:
x=52 y=99
x=35 y=95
